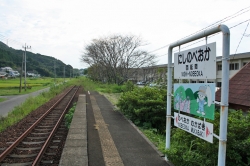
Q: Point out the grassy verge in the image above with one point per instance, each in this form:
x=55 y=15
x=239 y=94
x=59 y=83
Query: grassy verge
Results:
x=157 y=139
x=2 y=99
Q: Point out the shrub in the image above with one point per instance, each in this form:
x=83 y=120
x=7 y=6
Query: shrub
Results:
x=69 y=116
x=146 y=107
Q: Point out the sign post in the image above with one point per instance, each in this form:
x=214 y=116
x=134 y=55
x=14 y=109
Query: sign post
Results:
x=224 y=88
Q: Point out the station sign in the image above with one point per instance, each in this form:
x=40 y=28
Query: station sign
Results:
x=196 y=63
x=197 y=99
x=199 y=128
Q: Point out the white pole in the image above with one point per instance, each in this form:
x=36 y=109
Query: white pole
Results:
x=224 y=97
x=25 y=67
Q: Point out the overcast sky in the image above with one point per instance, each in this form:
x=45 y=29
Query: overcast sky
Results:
x=61 y=28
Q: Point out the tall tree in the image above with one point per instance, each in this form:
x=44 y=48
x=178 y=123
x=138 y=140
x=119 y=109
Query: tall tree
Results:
x=116 y=57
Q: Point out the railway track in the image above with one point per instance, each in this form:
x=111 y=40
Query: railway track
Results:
x=40 y=143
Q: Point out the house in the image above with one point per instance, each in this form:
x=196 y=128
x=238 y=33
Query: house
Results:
x=6 y=69
x=239 y=89
x=3 y=74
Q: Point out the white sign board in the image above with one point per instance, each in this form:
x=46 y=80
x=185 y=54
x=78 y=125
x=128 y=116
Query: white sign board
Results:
x=199 y=128
x=196 y=63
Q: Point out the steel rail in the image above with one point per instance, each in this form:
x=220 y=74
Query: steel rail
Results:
x=12 y=146
x=40 y=154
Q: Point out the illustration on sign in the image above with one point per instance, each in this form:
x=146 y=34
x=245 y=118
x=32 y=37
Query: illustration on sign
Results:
x=197 y=99
x=194 y=126
x=196 y=63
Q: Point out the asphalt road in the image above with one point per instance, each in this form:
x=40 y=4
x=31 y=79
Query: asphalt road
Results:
x=13 y=101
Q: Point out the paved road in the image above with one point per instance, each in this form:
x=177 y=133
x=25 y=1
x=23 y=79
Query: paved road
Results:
x=13 y=101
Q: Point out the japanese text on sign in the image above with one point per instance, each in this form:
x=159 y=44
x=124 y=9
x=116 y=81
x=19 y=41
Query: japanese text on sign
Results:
x=197 y=63
x=194 y=126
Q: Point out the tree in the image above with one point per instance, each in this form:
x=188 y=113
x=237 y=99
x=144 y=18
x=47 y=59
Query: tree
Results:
x=116 y=58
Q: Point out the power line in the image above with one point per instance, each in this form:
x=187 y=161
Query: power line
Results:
x=214 y=24
x=212 y=36
x=241 y=39
x=239 y=24
x=10 y=40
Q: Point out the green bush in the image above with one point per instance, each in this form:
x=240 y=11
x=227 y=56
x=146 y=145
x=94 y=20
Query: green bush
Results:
x=69 y=116
x=128 y=86
x=146 y=107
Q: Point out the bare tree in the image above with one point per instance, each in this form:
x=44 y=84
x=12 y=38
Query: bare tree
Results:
x=117 y=56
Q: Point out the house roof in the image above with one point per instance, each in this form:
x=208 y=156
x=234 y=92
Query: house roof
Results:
x=235 y=56
x=239 y=87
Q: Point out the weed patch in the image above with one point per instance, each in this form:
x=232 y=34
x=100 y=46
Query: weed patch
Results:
x=69 y=116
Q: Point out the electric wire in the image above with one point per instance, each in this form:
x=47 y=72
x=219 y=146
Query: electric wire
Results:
x=208 y=37
x=9 y=40
x=240 y=12
x=241 y=40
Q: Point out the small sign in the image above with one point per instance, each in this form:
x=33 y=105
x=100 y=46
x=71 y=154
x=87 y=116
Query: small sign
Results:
x=199 y=128
x=196 y=63
x=197 y=99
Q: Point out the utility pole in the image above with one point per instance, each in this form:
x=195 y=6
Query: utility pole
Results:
x=70 y=74
x=64 y=73
x=55 y=71
x=20 y=89
x=25 y=72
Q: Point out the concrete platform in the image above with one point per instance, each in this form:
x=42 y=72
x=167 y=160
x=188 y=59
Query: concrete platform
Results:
x=100 y=136
x=75 y=149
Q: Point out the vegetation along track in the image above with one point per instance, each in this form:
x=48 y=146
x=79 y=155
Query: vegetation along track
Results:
x=40 y=143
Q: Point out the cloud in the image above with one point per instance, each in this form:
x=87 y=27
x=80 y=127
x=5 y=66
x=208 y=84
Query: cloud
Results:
x=61 y=28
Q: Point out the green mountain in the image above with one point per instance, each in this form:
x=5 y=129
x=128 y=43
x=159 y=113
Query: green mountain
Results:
x=36 y=63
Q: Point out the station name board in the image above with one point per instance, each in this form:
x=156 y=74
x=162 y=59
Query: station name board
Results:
x=196 y=63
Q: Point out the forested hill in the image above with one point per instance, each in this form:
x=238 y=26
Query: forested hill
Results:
x=37 y=63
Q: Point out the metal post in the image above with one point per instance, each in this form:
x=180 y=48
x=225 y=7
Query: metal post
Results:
x=224 y=97
x=25 y=67
x=20 y=89
x=169 y=96
x=25 y=47
x=64 y=73
x=224 y=91
x=54 y=71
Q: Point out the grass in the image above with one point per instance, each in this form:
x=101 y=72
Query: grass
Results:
x=157 y=139
x=11 y=86
x=2 y=99
x=112 y=97
x=90 y=85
